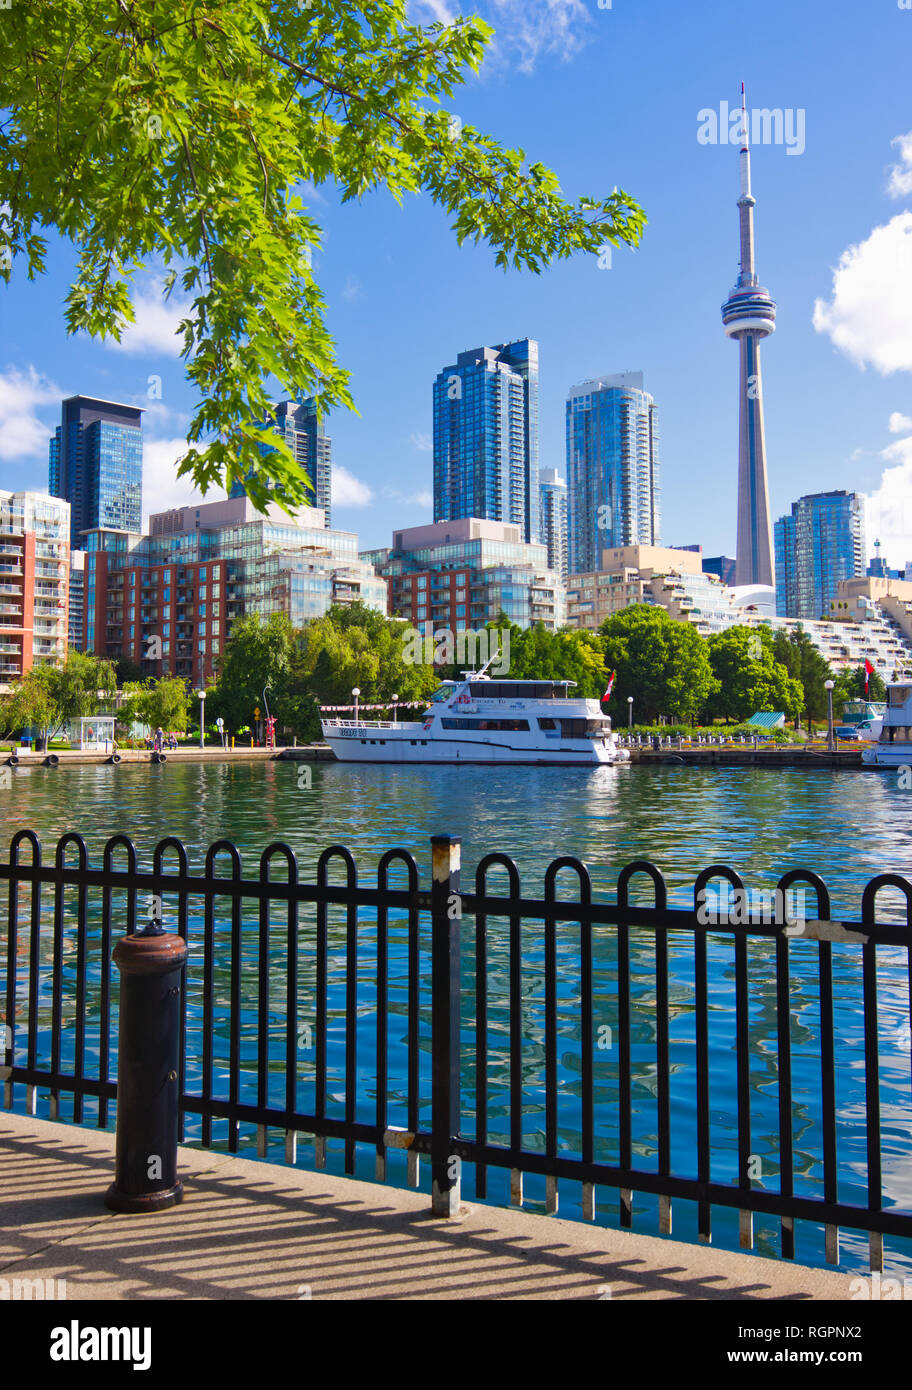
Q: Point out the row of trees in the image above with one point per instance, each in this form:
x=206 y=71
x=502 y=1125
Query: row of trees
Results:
x=666 y=667
x=669 y=669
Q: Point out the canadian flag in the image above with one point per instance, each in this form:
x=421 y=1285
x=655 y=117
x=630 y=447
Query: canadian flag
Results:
x=869 y=671
x=607 y=694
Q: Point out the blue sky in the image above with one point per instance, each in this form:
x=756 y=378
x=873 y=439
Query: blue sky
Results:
x=605 y=97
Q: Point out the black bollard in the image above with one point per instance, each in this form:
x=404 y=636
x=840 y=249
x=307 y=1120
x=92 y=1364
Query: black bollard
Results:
x=151 y=965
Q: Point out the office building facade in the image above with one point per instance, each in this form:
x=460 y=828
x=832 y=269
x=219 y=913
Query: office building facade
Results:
x=819 y=544
x=486 y=437
x=612 y=468
x=95 y=464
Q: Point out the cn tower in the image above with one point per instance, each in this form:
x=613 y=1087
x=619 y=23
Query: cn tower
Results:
x=749 y=315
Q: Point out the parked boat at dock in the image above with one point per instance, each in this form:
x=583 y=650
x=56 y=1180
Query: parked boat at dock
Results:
x=894 y=746
x=480 y=719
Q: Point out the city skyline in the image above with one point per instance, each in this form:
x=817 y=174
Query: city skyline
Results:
x=402 y=293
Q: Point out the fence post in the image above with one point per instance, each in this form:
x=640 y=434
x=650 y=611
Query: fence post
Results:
x=151 y=965
x=446 y=926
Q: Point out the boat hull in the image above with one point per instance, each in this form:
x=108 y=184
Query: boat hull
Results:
x=887 y=755
x=412 y=745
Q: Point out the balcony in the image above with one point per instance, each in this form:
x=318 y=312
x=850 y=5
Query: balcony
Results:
x=11 y=569
x=6 y=669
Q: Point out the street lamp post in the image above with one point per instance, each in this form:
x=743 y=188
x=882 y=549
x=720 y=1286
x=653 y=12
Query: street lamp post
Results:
x=831 y=742
x=356 y=692
x=202 y=699
x=629 y=711
x=395 y=703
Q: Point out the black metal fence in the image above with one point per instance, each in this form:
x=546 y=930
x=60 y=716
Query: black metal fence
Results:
x=612 y=1045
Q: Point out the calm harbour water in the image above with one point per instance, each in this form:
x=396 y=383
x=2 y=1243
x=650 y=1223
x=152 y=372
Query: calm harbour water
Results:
x=845 y=826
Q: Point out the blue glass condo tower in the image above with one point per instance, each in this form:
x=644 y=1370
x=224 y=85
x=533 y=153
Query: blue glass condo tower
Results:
x=612 y=468
x=486 y=437
x=96 y=465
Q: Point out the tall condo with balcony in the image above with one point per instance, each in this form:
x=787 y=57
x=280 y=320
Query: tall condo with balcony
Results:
x=96 y=465
x=300 y=424
x=819 y=545
x=612 y=468
x=34 y=582
x=553 y=511
x=486 y=437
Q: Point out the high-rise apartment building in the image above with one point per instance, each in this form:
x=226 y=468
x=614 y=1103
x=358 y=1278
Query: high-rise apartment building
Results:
x=301 y=426
x=77 y=600
x=95 y=464
x=612 y=468
x=553 y=514
x=486 y=437
x=819 y=544
x=168 y=600
x=457 y=576
x=34 y=582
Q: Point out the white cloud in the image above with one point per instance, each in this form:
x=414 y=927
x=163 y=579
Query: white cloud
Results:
x=22 y=433
x=900 y=184
x=162 y=488
x=889 y=509
x=869 y=317
x=421 y=441
x=351 y=290
x=422 y=498
x=349 y=491
x=155 y=329
x=525 y=30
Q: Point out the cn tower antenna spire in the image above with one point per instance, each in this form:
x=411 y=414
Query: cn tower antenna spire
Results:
x=749 y=316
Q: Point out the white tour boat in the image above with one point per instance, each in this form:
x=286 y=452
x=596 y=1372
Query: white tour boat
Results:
x=480 y=719
x=894 y=746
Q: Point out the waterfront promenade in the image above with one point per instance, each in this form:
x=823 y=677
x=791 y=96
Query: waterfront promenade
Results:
x=794 y=755
x=252 y=1230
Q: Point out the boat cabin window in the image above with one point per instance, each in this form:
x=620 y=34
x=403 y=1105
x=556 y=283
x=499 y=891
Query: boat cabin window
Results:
x=583 y=728
x=442 y=693
x=513 y=726
x=516 y=690
x=547 y=723
x=897 y=695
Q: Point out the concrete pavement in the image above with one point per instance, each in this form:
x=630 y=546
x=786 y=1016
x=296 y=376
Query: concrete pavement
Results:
x=248 y=1229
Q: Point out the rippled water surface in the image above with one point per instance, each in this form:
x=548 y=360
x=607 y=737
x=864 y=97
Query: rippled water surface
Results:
x=845 y=826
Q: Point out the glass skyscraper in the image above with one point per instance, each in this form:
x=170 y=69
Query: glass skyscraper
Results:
x=486 y=437
x=96 y=465
x=553 y=512
x=822 y=542
x=612 y=468
x=301 y=425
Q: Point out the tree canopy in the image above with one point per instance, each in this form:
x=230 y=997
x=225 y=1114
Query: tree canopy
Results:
x=49 y=697
x=662 y=663
x=155 y=136
x=749 y=676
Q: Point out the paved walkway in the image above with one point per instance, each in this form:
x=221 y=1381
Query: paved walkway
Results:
x=254 y=1230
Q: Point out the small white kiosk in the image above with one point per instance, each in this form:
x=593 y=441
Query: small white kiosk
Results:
x=93 y=735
